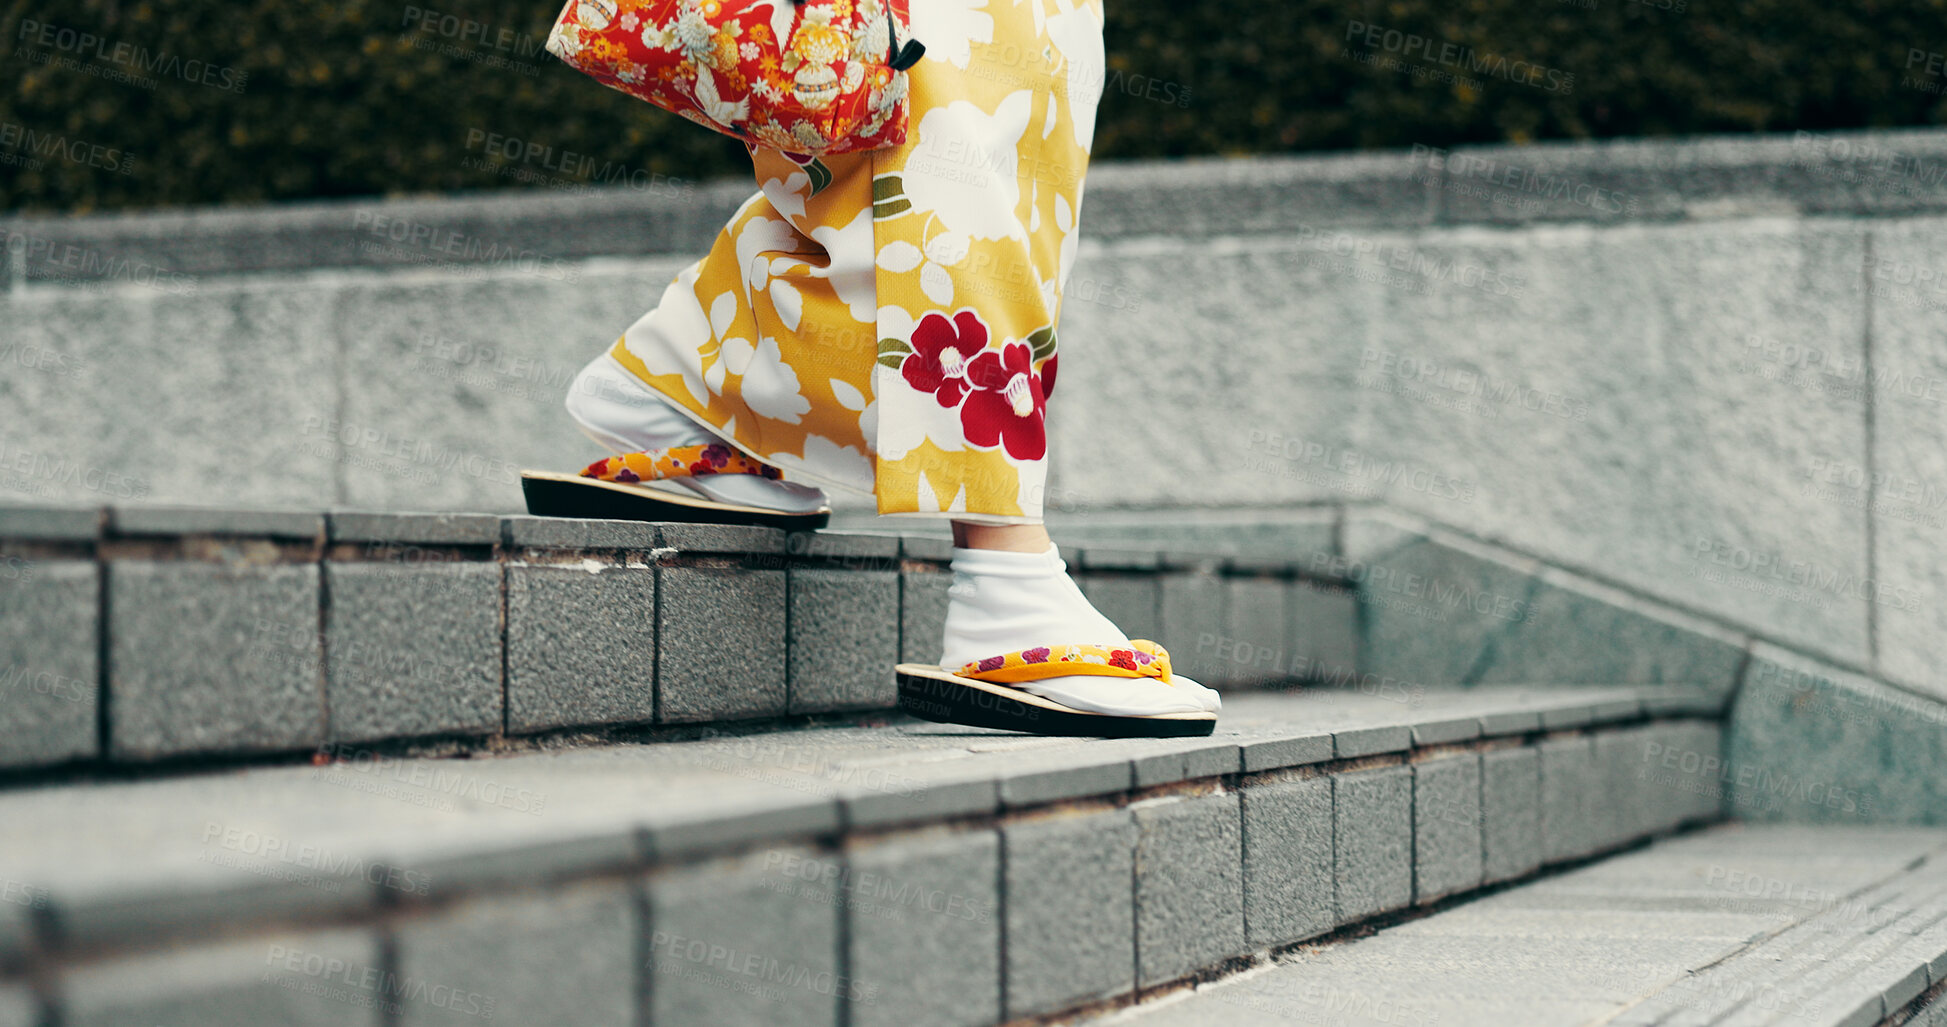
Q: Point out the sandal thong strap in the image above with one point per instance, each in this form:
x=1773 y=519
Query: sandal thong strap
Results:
x=677 y=462
x=1141 y=658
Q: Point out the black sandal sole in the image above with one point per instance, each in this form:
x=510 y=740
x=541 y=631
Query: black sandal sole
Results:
x=931 y=693
x=551 y=494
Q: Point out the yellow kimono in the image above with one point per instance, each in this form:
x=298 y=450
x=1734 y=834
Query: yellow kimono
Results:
x=885 y=321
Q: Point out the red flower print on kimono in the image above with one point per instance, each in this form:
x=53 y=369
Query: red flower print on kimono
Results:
x=1006 y=406
x=941 y=349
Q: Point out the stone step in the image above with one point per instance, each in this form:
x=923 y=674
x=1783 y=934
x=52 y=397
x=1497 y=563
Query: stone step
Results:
x=138 y=634
x=905 y=873
x=1812 y=926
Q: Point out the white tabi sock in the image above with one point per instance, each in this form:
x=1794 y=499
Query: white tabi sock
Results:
x=1002 y=601
x=615 y=409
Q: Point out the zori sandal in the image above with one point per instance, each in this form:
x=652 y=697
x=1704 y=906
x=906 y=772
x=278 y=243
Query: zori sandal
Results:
x=1023 y=691
x=618 y=488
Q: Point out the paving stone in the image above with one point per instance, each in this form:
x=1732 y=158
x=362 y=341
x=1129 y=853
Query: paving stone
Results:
x=1437 y=729
x=1189 y=886
x=1253 y=648
x=1132 y=601
x=751 y=941
x=412 y=650
x=1570 y=793
x=721 y=538
x=326 y=979
x=50 y=523
x=1070 y=910
x=1510 y=813
x=922 y=615
x=1324 y=631
x=49 y=676
x=581 y=646
x=421 y=529
x=1194 y=624
x=579 y=533
x=1372 y=827
x=566 y=957
x=1446 y=827
x=210 y=658
x=720 y=644
x=1288 y=860
x=924 y=920
x=844 y=639
x=209 y=520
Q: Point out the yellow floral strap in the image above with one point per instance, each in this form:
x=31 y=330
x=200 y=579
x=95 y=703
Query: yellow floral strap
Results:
x=1141 y=658
x=677 y=462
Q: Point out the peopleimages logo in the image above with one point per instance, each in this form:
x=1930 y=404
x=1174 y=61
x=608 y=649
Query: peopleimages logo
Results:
x=138 y=58
x=1455 y=55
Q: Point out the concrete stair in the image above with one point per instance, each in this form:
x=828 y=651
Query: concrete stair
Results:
x=1739 y=924
x=385 y=769
x=905 y=873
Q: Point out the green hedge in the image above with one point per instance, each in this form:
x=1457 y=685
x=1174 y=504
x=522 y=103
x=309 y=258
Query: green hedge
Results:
x=256 y=100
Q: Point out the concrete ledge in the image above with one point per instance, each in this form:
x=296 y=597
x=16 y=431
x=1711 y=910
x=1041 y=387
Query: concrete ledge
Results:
x=1873 y=172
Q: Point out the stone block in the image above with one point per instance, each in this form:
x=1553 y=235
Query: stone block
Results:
x=1446 y=827
x=1070 y=910
x=50 y=523
x=1324 y=631
x=414 y=529
x=1809 y=742
x=1288 y=866
x=412 y=649
x=1257 y=632
x=722 y=538
x=936 y=946
x=581 y=646
x=1510 y=813
x=1579 y=631
x=49 y=673
x=579 y=533
x=776 y=910
x=1904 y=481
x=1189 y=887
x=1571 y=794
x=211 y=520
x=566 y=957
x=1372 y=824
x=922 y=615
x=1132 y=601
x=325 y=979
x=1194 y=624
x=720 y=644
x=208 y=658
x=1433 y=606
x=844 y=639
